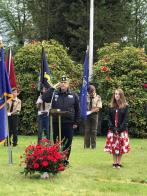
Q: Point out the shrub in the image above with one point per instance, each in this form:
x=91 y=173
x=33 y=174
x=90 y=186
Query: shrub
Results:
x=126 y=68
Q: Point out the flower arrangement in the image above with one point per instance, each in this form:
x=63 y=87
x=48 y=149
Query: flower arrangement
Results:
x=44 y=158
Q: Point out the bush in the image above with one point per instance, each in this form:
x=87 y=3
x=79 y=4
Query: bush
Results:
x=123 y=67
x=27 y=66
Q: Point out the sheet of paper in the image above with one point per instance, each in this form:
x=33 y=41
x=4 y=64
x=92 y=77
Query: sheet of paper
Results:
x=88 y=113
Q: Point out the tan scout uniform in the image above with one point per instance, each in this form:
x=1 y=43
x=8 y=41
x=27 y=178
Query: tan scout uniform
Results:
x=14 y=108
x=91 y=123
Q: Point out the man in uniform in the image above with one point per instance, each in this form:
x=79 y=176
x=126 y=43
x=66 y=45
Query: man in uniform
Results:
x=14 y=108
x=64 y=100
x=94 y=104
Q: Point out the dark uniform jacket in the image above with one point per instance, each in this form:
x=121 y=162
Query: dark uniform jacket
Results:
x=122 y=118
x=67 y=101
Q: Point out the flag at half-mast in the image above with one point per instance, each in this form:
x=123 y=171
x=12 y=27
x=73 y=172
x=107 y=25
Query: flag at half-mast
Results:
x=45 y=73
x=10 y=69
x=84 y=88
x=5 y=95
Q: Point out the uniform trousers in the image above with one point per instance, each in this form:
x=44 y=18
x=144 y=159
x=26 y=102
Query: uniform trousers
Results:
x=66 y=135
x=91 y=124
x=43 y=125
x=13 y=128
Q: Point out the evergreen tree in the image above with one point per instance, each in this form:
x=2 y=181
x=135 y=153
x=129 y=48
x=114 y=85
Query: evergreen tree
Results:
x=68 y=22
x=15 y=20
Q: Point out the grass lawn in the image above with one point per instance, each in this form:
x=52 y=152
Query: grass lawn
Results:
x=90 y=172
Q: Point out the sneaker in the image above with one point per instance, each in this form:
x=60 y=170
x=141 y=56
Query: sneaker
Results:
x=114 y=165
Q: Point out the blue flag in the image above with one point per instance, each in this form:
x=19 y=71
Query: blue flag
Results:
x=45 y=74
x=85 y=84
x=5 y=95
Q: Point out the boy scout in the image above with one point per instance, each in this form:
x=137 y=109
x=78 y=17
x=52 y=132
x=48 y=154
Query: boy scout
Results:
x=94 y=104
x=14 y=108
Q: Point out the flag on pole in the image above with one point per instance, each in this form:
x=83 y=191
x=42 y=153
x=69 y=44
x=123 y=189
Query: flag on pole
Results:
x=45 y=73
x=5 y=95
x=3 y=127
x=10 y=69
x=85 y=84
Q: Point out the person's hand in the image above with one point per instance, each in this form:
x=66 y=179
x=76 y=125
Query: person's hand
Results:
x=94 y=110
x=39 y=100
x=115 y=129
x=75 y=126
x=119 y=131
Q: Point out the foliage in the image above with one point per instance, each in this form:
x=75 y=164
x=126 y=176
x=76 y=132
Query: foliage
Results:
x=138 y=26
x=44 y=157
x=126 y=68
x=68 y=22
x=15 y=21
x=27 y=67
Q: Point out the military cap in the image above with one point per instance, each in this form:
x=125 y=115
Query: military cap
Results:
x=64 y=79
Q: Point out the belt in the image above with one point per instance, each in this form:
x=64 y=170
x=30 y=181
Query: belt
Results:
x=43 y=113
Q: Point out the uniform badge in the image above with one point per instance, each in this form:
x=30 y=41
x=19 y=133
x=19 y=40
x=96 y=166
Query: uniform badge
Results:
x=56 y=97
x=70 y=96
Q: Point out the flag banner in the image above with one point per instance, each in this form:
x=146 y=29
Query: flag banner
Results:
x=10 y=69
x=5 y=95
x=3 y=124
x=45 y=74
x=85 y=84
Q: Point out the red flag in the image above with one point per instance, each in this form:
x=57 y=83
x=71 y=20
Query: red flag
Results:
x=10 y=69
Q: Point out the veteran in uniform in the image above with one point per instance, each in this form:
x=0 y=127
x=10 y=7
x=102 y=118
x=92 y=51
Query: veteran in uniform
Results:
x=64 y=100
x=94 y=104
x=14 y=108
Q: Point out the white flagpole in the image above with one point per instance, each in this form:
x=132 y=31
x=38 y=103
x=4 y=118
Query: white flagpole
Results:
x=9 y=59
x=10 y=159
x=91 y=29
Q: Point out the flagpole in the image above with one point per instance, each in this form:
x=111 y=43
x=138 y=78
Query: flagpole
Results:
x=91 y=29
x=10 y=162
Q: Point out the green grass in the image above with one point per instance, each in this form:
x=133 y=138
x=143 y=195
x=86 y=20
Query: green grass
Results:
x=90 y=172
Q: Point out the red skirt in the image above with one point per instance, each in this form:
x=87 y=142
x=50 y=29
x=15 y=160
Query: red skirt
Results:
x=117 y=143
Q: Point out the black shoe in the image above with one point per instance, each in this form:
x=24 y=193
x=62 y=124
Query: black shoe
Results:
x=114 y=165
x=15 y=145
x=119 y=165
x=66 y=163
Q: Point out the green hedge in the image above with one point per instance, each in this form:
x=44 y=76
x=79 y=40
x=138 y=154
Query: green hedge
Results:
x=126 y=68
